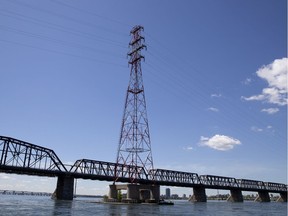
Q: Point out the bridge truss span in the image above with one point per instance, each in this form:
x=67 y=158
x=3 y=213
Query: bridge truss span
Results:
x=172 y=177
x=211 y=181
x=276 y=187
x=21 y=157
x=101 y=170
x=253 y=185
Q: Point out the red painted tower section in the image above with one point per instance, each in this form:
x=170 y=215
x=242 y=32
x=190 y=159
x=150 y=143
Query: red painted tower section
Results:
x=134 y=150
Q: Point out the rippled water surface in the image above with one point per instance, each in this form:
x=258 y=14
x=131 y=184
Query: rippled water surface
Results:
x=33 y=205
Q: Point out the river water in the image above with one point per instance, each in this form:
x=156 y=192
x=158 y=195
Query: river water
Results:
x=37 y=205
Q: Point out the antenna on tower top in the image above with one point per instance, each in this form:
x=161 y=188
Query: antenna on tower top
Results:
x=134 y=149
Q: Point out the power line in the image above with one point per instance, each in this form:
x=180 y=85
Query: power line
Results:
x=58 y=27
x=62 y=53
x=178 y=79
x=87 y=11
x=61 y=42
x=71 y=19
x=228 y=111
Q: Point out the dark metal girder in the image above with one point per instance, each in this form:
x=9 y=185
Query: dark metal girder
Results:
x=105 y=171
x=15 y=152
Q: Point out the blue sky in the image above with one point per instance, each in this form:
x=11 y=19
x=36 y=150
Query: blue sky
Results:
x=215 y=77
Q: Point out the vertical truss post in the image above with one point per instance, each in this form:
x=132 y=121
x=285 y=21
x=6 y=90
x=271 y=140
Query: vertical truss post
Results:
x=4 y=152
x=134 y=148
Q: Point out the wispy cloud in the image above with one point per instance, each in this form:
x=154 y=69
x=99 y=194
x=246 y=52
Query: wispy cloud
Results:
x=247 y=81
x=267 y=129
x=219 y=142
x=188 y=148
x=256 y=129
x=276 y=76
x=213 y=109
x=270 y=110
x=216 y=95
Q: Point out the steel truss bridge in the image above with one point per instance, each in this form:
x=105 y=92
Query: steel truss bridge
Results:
x=21 y=157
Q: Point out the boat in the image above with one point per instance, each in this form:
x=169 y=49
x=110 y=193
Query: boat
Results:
x=164 y=202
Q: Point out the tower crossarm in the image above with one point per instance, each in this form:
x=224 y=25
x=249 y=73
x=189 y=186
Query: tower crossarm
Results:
x=136 y=41
x=137 y=49
x=133 y=61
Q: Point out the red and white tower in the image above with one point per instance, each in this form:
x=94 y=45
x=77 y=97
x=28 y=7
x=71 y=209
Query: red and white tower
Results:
x=134 y=148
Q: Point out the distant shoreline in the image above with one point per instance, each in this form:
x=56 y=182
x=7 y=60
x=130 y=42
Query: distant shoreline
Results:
x=32 y=193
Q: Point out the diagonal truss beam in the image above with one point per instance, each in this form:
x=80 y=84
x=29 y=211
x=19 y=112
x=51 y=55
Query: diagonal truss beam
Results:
x=17 y=153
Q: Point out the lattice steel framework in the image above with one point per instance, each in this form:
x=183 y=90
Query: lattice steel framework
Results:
x=172 y=176
x=21 y=156
x=134 y=147
x=106 y=170
x=219 y=181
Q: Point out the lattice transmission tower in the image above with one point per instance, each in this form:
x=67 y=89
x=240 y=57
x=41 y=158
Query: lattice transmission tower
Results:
x=134 y=150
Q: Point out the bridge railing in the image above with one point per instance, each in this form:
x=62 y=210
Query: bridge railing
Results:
x=173 y=176
x=17 y=153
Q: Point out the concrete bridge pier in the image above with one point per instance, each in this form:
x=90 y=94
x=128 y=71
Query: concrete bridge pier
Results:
x=154 y=193
x=199 y=195
x=64 y=189
x=135 y=193
x=263 y=196
x=132 y=193
x=235 y=196
x=283 y=197
x=144 y=195
x=112 y=197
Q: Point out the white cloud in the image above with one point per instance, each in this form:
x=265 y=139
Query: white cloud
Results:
x=188 y=148
x=213 y=109
x=256 y=129
x=276 y=76
x=270 y=110
x=219 y=142
x=216 y=95
x=247 y=81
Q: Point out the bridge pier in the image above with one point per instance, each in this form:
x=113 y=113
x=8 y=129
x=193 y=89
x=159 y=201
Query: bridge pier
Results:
x=64 y=189
x=112 y=193
x=263 y=196
x=283 y=197
x=136 y=193
x=132 y=193
x=145 y=195
x=235 y=196
x=154 y=193
x=199 y=195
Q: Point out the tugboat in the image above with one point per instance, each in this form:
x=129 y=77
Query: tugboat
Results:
x=163 y=202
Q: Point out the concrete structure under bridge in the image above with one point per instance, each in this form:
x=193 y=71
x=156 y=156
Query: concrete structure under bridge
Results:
x=24 y=158
x=136 y=193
